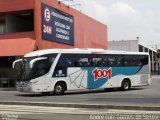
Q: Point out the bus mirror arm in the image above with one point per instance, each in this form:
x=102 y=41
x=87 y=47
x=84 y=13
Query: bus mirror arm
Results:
x=35 y=60
x=13 y=65
x=30 y=65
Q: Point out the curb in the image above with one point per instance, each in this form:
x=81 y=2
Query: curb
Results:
x=89 y=106
x=155 y=76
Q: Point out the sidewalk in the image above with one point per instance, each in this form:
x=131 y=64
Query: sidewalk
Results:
x=155 y=76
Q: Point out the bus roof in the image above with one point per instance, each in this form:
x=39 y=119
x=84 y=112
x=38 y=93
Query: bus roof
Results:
x=79 y=50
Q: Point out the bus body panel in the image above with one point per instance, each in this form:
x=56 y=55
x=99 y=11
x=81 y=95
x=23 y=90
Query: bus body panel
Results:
x=92 y=77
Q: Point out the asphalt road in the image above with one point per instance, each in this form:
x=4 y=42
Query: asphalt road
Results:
x=147 y=96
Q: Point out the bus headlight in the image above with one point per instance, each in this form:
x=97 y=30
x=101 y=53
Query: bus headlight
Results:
x=32 y=82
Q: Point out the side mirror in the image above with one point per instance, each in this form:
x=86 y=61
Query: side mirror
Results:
x=31 y=64
x=16 y=61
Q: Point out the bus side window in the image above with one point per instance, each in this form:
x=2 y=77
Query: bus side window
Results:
x=64 y=62
x=99 y=60
x=129 y=60
x=115 y=60
x=82 y=60
x=96 y=62
x=144 y=60
x=119 y=61
x=126 y=60
x=110 y=61
x=134 y=60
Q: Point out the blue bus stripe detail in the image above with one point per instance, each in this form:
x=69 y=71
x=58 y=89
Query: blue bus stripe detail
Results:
x=92 y=84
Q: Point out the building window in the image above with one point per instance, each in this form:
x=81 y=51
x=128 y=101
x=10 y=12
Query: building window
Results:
x=2 y=27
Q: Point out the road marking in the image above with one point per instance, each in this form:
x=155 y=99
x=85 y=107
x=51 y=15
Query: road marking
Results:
x=21 y=109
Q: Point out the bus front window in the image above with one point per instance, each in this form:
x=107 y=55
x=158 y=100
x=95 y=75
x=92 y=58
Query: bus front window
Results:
x=25 y=72
x=40 y=67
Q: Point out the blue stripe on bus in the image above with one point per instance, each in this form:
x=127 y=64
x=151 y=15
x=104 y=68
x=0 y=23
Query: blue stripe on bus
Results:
x=93 y=84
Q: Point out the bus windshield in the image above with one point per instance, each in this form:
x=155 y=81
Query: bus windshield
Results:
x=39 y=68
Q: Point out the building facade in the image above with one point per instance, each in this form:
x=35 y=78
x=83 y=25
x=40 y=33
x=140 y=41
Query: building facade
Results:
x=136 y=46
x=28 y=25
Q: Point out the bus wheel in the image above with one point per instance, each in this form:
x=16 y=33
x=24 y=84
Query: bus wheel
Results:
x=59 y=89
x=125 y=85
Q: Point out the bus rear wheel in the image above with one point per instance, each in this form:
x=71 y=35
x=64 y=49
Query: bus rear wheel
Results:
x=126 y=85
x=59 y=89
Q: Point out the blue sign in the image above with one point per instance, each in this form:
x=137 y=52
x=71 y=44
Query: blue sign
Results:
x=57 y=26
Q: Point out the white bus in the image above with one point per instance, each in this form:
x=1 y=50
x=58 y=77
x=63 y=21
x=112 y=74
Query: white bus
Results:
x=60 y=70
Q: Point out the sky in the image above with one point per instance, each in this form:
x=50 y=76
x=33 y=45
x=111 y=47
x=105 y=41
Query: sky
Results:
x=125 y=19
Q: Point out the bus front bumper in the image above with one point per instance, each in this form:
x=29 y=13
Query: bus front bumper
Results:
x=23 y=88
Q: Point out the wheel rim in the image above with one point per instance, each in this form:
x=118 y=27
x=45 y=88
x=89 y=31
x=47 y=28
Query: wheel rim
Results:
x=126 y=85
x=58 y=89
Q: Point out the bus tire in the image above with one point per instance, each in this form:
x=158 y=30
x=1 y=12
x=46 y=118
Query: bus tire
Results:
x=59 y=88
x=126 y=85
